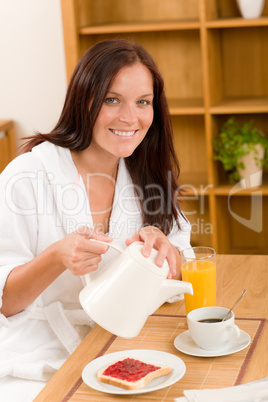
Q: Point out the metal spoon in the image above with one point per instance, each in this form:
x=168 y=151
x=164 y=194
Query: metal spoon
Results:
x=238 y=300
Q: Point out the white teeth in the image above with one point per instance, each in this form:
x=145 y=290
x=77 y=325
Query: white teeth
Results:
x=123 y=133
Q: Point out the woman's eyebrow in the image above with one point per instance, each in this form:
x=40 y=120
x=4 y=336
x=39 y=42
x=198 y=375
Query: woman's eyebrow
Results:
x=117 y=94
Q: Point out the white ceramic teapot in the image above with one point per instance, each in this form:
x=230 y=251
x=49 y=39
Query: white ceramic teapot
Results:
x=122 y=296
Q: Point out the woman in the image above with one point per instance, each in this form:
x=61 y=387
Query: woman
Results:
x=107 y=171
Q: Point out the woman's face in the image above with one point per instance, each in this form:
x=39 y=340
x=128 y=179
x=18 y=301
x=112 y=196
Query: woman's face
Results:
x=126 y=114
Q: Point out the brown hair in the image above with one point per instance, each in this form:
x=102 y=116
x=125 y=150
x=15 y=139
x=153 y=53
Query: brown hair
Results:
x=153 y=164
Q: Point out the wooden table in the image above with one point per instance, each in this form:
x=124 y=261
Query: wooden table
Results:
x=234 y=273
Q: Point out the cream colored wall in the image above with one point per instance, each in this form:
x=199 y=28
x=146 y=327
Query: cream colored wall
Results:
x=32 y=64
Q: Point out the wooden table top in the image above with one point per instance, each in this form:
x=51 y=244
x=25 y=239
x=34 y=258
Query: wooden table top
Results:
x=234 y=273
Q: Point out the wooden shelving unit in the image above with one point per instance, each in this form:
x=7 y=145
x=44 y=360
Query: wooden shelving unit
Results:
x=7 y=143
x=215 y=65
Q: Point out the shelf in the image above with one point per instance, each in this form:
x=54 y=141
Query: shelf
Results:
x=186 y=106
x=195 y=191
x=140 y=27
x=241 y=105
x=237 y=23
x=226 y=190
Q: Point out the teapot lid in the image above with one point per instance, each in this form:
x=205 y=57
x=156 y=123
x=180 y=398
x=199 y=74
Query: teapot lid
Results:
x=135 y=250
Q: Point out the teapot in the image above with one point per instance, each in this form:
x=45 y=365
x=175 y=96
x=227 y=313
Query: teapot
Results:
x=121 y=297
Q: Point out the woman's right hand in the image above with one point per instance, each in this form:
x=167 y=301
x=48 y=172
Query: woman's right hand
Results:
x=81 y=256
x=75 y=252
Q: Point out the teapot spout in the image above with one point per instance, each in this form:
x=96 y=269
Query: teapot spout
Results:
x=170 y=288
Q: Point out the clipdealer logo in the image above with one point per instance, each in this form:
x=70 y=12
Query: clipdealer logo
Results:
x=255 y=221
x=71 y=200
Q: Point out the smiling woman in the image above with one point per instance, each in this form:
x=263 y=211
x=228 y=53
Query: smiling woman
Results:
x=107 y=171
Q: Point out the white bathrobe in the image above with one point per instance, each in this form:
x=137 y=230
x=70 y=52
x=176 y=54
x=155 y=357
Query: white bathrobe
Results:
x=42 y=199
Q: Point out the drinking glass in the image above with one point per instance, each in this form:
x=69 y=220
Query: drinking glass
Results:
x=198 y=266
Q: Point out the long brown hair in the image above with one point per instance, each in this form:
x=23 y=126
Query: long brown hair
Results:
x=153 y=165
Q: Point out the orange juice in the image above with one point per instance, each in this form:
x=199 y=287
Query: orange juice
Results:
x=202 y=275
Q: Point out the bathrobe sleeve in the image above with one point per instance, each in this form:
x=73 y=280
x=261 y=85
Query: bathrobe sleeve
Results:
x=18 y=224
x=180 y=238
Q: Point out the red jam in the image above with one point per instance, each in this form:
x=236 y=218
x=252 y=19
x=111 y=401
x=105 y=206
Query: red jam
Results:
x=129 y=370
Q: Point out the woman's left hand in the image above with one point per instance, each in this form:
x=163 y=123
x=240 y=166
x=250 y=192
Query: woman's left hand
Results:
x=155 y=238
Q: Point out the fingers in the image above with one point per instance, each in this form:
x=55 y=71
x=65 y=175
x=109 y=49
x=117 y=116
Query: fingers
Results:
x=135 y=237
x=85 y=231
x=155 y=238
x=172 y=262
x=93 y=246
x=148 y=235
x=91 y=234
x=80 y=251
x=102 y=237
x=88 y=265
x=85 y=266
x=163 y=252
x=149 y=242
x=166 y=251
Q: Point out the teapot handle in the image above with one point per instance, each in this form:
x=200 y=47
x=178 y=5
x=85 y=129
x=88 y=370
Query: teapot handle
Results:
x=111 y=244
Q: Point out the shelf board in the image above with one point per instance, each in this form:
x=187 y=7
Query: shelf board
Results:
x=241 y=105
x=191 y=106
x=140 y=27
x=237 y=22
x=225 y=190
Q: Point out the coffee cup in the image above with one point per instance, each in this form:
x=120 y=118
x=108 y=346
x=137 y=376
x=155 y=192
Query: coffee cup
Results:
x=209 y=331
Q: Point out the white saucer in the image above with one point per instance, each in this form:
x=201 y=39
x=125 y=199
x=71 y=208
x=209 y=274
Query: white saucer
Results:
x=184 y=343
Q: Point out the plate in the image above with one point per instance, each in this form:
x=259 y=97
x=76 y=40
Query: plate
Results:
x=184 y=343
x=178 y=369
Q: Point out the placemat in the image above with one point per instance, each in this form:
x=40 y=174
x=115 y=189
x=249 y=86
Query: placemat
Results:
x=159 y=333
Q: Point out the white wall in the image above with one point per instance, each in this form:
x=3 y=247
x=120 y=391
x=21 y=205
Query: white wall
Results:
x=32 y=64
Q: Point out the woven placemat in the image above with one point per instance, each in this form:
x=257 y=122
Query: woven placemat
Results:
x=159 y=333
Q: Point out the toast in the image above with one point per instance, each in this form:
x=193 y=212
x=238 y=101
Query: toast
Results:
x=130 y=373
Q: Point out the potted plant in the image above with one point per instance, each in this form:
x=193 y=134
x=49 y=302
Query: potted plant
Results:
x=238 y=147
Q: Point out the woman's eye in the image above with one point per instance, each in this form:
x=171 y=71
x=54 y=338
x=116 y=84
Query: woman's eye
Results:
x=110 y=100
x=144 y=102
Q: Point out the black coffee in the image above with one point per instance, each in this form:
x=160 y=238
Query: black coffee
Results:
x=210 y=320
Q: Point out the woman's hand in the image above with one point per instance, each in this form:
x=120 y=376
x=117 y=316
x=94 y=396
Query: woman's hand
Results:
x=80 y=255
x=155 y=238
x=75 y=252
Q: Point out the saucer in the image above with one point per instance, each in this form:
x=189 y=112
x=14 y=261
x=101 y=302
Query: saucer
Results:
x=184 y=343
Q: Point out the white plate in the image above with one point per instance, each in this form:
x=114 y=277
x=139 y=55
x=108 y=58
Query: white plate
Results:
x=184 y=343
x=177 y=366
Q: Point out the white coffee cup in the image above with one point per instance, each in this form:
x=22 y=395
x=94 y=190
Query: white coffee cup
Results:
x=212 y=335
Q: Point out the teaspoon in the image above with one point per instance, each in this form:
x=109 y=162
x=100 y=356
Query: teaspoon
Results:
x=238 y=300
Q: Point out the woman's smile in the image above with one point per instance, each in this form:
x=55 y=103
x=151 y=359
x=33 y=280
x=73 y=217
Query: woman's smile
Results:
x=123 y=133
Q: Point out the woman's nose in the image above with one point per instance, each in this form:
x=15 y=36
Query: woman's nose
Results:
x=128 y=114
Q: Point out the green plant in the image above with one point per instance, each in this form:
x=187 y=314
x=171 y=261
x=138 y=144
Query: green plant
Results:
x=229 y=146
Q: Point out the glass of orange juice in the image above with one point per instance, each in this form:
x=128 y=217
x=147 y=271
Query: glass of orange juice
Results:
x=198 y=266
